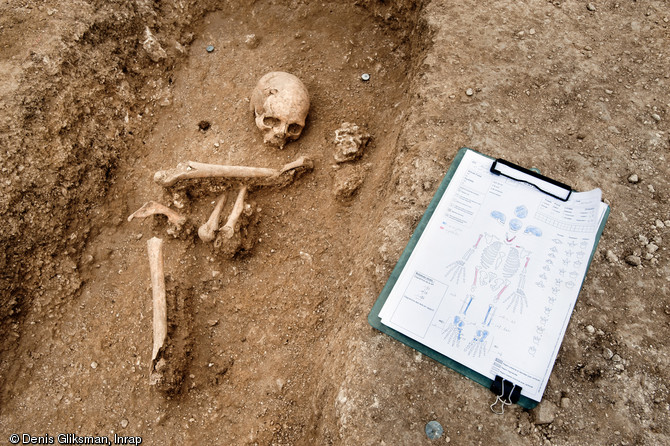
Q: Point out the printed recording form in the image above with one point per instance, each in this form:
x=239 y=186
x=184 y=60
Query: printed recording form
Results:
x=495 y=274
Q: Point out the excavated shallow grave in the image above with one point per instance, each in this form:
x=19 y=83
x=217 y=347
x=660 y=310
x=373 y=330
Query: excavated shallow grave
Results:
x=557 y=86
x=259 y=330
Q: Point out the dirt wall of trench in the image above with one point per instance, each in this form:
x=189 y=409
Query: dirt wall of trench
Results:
x=82 y=96
x=79 y=94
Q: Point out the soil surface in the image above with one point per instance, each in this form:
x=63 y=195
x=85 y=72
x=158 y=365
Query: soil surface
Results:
x=271 y=345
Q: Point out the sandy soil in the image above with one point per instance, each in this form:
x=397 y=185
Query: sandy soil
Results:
x=274 y=342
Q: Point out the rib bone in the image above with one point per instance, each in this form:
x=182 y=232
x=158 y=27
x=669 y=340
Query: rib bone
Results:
x=194 y=169
x=229 y=229
x=152 y=208
x=155 y=250
x=207 y=230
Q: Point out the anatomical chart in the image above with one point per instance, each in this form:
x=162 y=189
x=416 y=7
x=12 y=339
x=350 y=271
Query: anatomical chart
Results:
x=495 y=275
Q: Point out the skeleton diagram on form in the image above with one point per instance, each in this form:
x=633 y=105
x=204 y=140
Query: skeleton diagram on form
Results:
x=501 y=261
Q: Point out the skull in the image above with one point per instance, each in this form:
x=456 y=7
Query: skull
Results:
x=280 y=103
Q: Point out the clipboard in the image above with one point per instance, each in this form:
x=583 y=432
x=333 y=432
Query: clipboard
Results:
x=508 y=395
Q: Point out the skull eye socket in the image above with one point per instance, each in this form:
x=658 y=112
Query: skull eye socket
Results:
x=270 y=121
x=294 y=128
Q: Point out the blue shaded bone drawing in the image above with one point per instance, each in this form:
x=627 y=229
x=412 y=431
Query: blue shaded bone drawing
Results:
x=537 y=232
x=499 y=216
x=477 y=346
x=516 y=224
x=521 y=211
x=454 y=331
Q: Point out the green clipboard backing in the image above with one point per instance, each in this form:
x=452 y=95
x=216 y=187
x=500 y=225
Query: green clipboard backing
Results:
x=373 y=316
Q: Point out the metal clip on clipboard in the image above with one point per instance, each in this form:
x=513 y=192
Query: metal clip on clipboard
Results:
x=544 y=184
x=507 y=393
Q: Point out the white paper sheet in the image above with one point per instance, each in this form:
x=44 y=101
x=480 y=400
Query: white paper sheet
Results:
x=495 y=275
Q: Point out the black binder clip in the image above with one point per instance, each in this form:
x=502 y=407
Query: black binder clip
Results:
x=507 y=393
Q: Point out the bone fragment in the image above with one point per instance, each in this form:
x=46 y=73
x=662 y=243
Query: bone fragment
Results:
x=207 y=230
x=302 y=161
x=155 y=250
x=152 y=208
x=350 y=140
x=193 y=169
x=229 y=228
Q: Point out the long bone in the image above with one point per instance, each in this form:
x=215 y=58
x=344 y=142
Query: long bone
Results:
x=207 y=230
x=151 y=208
x=229 y=228
x=155 y=251
x=192 y=169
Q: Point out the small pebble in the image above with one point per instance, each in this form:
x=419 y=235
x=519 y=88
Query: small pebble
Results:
x=365 y=77
x=607 y=353
x=633 y=178
x=544 y=413
x=94 y=365
x=651 y=188
x=469 y=92
x=210 y=48
x=609 y=91
x=124 y=423
x=591 y=7
x=590 y=329
x=531 y=31
x=659 y=223
x=616 y=358
x=611 y=257
x=652 y=248
x=634 y=260
x=251 y=41
x=656 y=117
x=565 y=403
x=212 y=322
x=306 y=257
